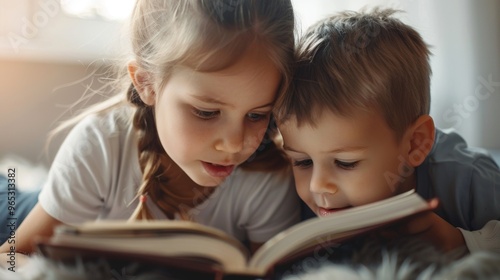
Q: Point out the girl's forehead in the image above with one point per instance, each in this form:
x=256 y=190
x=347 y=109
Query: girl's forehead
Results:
x=227 y=57
x=253 y=79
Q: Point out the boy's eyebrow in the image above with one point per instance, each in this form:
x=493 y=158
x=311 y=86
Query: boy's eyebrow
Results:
x=347 y=149
x=343 y=149
x=208 y=99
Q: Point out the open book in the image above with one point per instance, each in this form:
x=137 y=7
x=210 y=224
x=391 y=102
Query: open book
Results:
x=195 y=246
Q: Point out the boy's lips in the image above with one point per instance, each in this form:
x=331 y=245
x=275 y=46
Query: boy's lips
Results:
x=216 y=170
x=323 y=212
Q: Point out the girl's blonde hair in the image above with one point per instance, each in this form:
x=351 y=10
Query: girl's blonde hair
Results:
x=205 y=35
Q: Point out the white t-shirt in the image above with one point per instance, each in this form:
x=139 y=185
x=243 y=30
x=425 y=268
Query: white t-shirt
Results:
x=95 y=175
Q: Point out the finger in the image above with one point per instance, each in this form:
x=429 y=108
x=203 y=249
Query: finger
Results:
x=433 y=203
x=417 y=224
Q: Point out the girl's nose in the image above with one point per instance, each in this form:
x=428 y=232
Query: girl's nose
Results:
x=231 y=140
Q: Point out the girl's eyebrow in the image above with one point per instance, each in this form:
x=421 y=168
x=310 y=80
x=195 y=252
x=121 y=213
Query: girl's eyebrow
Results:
x=285 y=147
x=270 y=104
x=208 y=99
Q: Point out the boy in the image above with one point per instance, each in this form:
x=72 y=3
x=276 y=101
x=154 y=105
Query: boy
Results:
x=356 y=126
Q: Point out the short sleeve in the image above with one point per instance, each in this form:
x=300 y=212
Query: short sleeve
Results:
x=75 y=188
x=485 y=239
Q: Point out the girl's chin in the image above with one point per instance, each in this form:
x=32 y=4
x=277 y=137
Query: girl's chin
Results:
x=208 y=181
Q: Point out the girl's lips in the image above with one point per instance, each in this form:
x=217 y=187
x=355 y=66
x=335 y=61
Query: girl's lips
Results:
x=323 y=212
x=218 y=170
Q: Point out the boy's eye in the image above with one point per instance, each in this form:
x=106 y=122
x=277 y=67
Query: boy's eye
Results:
x=254 y=117
x=303 y=163
x=206 y=115
x=346 y=165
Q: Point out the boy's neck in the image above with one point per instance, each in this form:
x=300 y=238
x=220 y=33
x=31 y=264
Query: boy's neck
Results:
x=409 y=183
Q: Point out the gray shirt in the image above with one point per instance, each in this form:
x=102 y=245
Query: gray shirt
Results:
x=466 y=181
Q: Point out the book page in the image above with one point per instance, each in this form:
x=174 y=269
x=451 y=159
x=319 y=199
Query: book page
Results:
x=178 y=246
x=122 y=228
x=161 y=238
x=338 y=225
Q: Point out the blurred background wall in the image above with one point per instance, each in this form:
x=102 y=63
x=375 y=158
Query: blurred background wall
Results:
x=52 y=54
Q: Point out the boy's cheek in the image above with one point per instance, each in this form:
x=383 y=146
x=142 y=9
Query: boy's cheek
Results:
x=305 y=195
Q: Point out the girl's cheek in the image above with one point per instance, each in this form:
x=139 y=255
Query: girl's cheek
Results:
x=254 y=140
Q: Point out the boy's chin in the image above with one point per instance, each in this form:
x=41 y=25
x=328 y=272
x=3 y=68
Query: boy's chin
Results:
x=323 y=212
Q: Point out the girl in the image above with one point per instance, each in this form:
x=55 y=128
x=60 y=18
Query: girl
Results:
x=193 y=139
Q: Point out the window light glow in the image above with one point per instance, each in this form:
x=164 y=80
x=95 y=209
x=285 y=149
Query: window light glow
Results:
x=106 y=9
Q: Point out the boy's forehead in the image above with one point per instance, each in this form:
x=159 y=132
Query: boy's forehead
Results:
x=312 y=121
x=361 y=128
x=291 y=125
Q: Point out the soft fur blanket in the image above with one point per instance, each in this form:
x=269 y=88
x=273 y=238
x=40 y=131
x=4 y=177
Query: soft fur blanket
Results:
x=423 y=265
x=402 y=260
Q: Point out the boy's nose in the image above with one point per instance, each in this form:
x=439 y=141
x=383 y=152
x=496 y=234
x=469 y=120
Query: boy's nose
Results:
x=322 y=182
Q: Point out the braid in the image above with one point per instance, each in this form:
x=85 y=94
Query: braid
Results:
x=160 y=173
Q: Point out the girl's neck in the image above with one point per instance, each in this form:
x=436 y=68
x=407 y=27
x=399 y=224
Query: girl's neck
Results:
x=179 y=183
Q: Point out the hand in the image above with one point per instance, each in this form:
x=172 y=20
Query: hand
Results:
x=429 y=227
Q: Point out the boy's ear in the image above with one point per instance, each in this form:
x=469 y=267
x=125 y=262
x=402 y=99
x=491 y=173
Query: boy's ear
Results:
x=141 y=81
x=421 y=139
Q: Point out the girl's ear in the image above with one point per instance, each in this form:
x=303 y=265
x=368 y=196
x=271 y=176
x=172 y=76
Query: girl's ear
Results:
x=421 y=137
x=142 y=83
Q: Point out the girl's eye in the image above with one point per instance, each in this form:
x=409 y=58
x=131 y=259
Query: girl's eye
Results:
x=205 y=115
x=254 y=117
x=346 y=165
x=303 y=163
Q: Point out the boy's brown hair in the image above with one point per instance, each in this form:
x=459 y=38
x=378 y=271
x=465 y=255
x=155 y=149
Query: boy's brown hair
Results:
x=359 y=60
